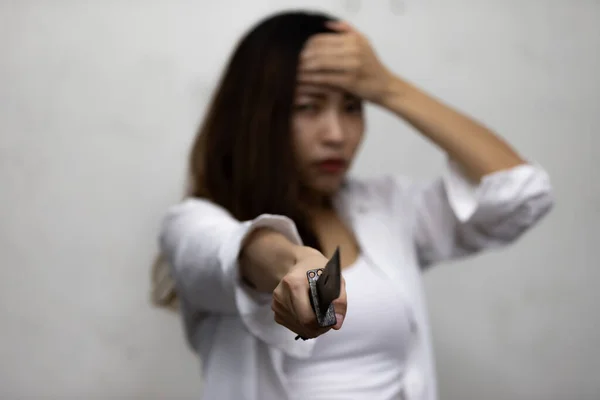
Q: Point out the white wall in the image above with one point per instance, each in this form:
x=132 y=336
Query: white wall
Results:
x=99 y=101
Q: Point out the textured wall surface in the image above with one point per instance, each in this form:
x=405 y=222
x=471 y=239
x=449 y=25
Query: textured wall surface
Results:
x=99 y=101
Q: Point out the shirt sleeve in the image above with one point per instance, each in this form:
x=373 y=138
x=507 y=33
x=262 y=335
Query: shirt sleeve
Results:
x=201 y=242
x=453 y=217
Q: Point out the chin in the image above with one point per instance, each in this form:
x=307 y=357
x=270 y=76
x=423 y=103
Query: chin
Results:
x=328 y=186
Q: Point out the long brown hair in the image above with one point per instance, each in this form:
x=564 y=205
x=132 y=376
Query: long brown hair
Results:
x=242 y=158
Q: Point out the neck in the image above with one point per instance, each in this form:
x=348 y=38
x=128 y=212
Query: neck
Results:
x=316 y=202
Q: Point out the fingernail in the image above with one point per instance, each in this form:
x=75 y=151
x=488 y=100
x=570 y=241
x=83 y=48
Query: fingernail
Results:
x=339 y=318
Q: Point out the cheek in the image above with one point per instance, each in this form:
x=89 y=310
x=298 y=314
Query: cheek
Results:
x=302 y=140
x=355 y=131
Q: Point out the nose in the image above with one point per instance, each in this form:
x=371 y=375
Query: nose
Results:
x=333 y=132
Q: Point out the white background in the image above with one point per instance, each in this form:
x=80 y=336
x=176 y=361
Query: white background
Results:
x=99 y=101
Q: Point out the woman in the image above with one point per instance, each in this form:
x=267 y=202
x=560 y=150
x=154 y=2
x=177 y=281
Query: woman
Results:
x=269 y=199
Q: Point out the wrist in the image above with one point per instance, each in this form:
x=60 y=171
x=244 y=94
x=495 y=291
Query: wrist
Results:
x=302 y=252
x=394 y=92
x=295 y=255
x=266 y=257
x=290 y=256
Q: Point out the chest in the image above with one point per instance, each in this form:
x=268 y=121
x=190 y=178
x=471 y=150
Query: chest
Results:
x=334 y=232
x=378 y=324
x=383 y=232
x=368 y=357
x=367 y=224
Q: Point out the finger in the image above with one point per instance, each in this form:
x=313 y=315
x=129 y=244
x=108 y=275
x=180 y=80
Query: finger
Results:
x=315 y=332
x=305 y=315
x=320 y=331
x=280 y=313
x=316 y=53
x=278 y=300
x=302 y=330
x=285 y=318
x=278 y=292
x=340 y=26
x=288 y=303
x=277 y=307
x=283 y=311
x=328 y=40
x=326 y=45
x=339 y=320
x=281 y=320
x=339 y=79
x=330 y=62
x=340 y=306
x=341 y=302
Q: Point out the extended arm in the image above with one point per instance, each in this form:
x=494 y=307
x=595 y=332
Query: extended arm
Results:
x=211 y=255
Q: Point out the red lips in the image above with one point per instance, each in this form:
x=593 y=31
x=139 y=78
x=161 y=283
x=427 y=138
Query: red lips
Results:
x=332 y=165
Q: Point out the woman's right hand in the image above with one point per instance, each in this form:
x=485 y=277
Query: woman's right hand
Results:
x=291 y=301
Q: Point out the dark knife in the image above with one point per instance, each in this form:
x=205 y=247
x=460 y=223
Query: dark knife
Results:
x=324 y=287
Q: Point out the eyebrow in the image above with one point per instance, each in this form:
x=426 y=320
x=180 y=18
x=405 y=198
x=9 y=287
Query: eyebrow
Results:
x=312 y=93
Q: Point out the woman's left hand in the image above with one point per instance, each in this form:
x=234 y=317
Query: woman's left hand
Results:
x=346 y=60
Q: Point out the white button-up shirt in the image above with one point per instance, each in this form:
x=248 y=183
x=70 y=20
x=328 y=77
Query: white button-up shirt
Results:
x=400 y=225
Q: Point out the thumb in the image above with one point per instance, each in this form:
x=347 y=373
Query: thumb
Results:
x=339 y=26
x=340 y=306
x=339 y=321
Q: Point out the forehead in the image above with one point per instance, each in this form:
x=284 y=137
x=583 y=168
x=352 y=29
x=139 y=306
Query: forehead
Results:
x=303 y=89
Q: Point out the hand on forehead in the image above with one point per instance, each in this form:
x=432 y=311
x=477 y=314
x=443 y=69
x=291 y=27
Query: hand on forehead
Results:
x=344 y=60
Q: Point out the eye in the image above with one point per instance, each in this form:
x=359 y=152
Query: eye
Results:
x=354 y=107
x=306 y=107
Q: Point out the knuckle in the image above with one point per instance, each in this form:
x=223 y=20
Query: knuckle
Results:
x=290 y=282
x=276 y=300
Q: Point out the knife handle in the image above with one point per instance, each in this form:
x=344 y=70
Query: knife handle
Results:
x=325 y=318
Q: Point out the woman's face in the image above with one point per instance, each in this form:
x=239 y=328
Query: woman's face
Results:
x=328 y=126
